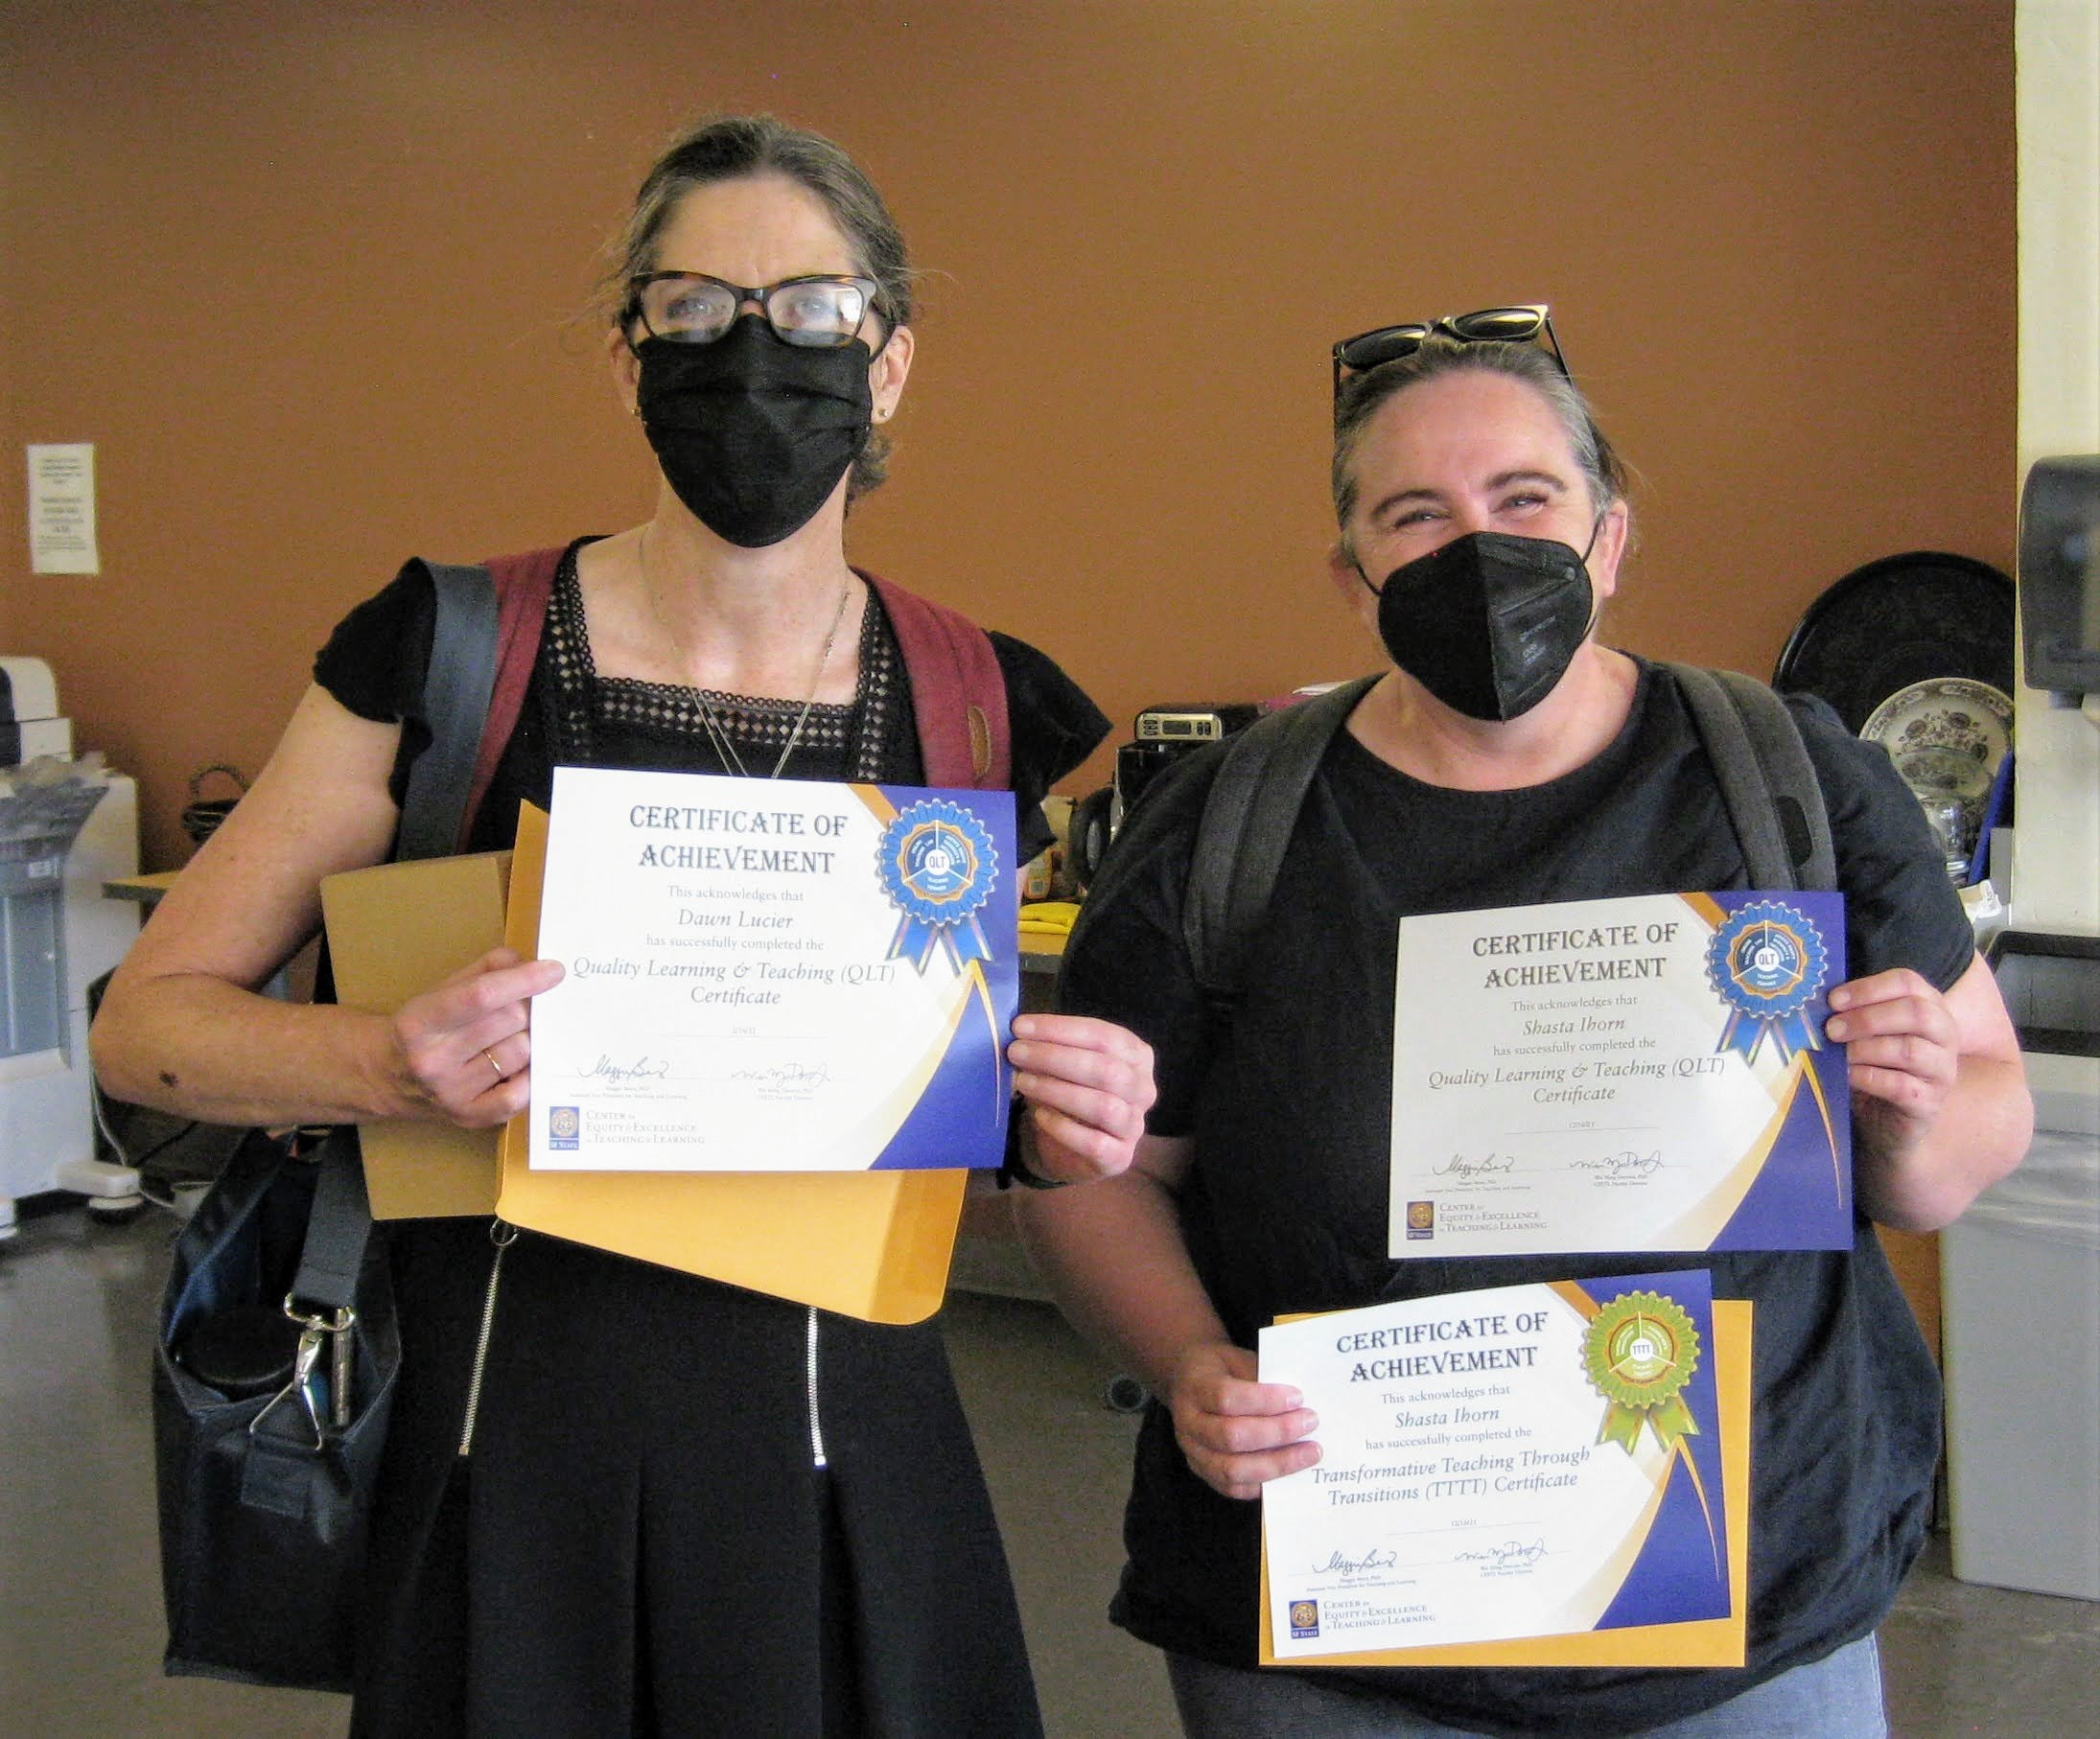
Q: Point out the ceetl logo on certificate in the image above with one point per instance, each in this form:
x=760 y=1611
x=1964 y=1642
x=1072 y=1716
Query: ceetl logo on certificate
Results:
x=564 y=1126
x=1421 y=1219
x=1304 y=1618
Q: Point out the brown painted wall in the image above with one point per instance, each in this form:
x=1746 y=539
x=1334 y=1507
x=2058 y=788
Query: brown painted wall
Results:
x=301 y=273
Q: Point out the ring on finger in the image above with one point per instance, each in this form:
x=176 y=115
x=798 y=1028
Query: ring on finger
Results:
x=494 y=1064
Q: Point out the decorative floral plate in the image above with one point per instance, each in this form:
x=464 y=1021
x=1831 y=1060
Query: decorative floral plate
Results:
x=1947 y=738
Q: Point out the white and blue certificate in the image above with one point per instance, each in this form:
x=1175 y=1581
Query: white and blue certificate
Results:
x=1530 y=1461
x=766 y=976
x=1642 y=1074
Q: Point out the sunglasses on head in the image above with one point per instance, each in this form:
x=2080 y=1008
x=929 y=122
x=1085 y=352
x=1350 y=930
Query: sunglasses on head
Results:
x=1368 y=350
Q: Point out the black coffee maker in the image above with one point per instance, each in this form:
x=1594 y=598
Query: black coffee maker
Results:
x=1161 y=737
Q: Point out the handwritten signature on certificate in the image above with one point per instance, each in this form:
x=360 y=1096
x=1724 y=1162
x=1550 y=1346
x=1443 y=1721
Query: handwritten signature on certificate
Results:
x=615 y=1074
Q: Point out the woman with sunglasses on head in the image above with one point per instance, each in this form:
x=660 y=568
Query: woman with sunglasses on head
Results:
x=1506 y=756
x=681 y=1508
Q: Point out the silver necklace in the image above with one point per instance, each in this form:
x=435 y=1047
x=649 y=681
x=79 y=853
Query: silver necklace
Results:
x=710 y=720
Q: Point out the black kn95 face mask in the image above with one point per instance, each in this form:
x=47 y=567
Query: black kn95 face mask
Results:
x=752 y=434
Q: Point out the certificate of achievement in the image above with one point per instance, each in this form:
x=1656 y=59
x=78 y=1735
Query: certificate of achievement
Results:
x=766 y=976
x=1528 y=1461
x=1644 y=1074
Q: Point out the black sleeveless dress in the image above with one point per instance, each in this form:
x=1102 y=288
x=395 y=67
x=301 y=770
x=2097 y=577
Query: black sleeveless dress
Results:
x=688 y=1509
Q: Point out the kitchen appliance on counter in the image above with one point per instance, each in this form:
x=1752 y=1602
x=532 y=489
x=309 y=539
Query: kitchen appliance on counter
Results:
x=66 y=826
x=1161 y=737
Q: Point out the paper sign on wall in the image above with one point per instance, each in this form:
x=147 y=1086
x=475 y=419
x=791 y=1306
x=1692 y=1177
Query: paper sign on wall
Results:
x=62 y=508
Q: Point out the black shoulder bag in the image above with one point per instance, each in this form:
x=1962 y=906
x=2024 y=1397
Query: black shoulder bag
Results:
x=277 y=1348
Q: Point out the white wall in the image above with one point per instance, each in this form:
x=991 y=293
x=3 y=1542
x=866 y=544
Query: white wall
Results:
x=2056 y=868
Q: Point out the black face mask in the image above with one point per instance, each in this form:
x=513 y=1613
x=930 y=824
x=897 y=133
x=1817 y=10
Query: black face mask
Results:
x=1489 y=623
x=752 y=434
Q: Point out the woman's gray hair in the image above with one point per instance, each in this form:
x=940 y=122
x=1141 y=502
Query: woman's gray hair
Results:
x=728 y=148
x=1363 y=394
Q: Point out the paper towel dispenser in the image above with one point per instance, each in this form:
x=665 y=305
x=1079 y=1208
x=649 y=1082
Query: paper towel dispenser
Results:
x=2059 y=574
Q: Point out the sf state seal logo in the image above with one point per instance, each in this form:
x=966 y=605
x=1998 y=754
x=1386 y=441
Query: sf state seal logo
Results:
x=1304 y=1618
x=1767 y=961
x=564 y=1127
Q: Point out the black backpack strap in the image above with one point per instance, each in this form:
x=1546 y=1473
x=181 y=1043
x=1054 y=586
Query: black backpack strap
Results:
x=1248 y=816
x=457 y=687
x=1769 y=787
x=1768 y=783
x=455 y=697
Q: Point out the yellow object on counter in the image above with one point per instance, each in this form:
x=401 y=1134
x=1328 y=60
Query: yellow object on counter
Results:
x=1049 y=917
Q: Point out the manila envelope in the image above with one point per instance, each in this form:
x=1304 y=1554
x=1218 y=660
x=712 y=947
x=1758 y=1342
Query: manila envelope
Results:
x=1700 y=1642
x=394 y=932
x=872 y=1244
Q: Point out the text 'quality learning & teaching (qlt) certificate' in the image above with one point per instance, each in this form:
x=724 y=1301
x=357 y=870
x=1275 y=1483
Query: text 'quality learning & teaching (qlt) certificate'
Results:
x=1528 y=1461
x=790 y=976
x=1641 y=1074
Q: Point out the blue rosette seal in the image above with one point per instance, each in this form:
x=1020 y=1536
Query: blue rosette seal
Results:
x=1768 y=963
x=939 y=865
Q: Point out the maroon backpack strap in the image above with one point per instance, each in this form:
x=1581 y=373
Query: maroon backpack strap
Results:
x=523 y=583
x=958 y=691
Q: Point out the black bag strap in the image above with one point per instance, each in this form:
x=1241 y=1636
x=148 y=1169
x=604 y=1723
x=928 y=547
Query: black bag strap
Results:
x=456 y=696
x=1248 y=816
x=1768 y=784
x=336 y=1230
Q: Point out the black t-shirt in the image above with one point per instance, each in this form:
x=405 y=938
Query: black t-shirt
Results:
x=374 y=664
x=1285 y=1203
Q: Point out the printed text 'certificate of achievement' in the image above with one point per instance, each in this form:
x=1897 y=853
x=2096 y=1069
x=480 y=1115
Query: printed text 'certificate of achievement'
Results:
x=1530 y=1461
x=1644 y=1074
x=765 y=976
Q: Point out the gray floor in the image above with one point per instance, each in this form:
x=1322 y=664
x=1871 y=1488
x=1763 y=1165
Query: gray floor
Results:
x=79 y=1601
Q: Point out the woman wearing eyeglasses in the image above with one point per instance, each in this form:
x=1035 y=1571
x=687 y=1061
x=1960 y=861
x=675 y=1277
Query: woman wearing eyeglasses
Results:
x=1507 y=757
x=680 y=1507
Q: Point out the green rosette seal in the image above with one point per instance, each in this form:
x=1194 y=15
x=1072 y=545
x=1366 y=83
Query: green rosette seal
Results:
x=1639 y=1353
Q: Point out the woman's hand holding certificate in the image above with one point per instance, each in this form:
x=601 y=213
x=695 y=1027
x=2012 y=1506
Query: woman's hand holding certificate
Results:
x=1088 y=1085
x=1238 y=1432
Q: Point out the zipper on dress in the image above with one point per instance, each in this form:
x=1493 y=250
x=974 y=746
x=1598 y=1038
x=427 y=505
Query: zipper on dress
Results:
x=503 y=1234
x=816 y=1425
